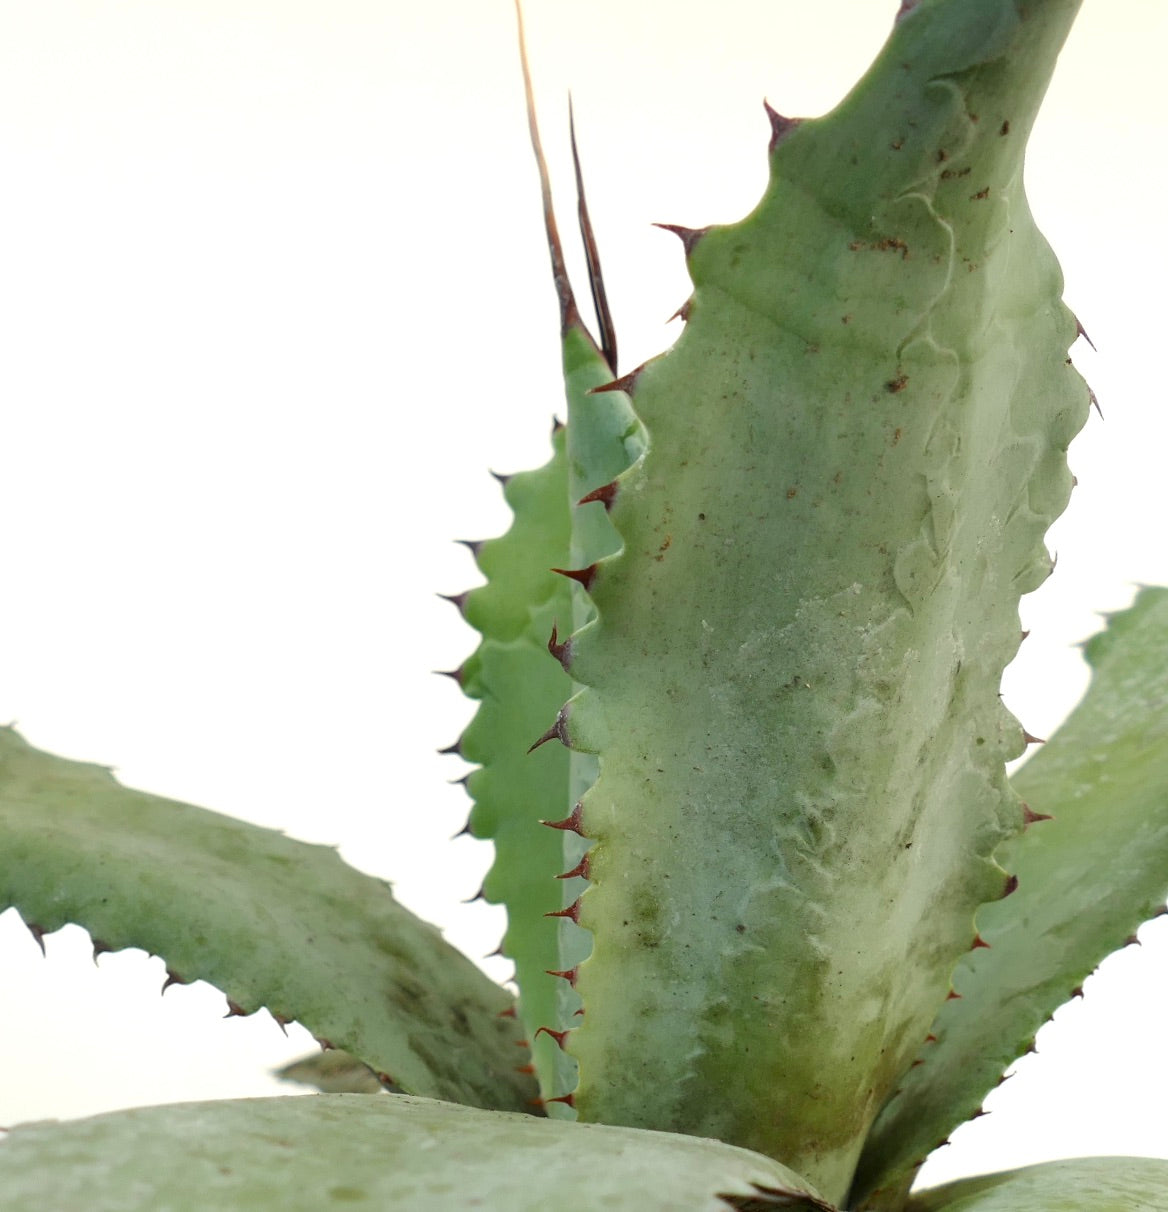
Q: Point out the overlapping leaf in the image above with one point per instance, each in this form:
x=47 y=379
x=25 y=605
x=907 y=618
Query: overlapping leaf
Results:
x=1087 y=878
x=270 y=921
x=305 y=1154
x=854 y=452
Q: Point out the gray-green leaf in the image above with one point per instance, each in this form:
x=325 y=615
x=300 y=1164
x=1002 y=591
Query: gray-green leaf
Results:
x=1086 y=880
x=268 y=920
x=393 y=1152
x=1085 y=1184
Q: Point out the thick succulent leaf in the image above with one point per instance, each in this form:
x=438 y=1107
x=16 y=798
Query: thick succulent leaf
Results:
x=332 y=1072
x=1086 y=879
x=1084 y=1184
x=293 y=1154
x=270 y=921
x=854 y=452
x=519 y=612
x=519 y=687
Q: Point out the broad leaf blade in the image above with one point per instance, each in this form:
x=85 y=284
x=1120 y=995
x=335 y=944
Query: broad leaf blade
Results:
x=268 y=920
x=1086 y=880
x=294 y=1154
x=1084 y=1184
x=854 y=451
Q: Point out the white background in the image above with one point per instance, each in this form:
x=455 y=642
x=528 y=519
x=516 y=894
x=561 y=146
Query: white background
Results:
x=274 y=296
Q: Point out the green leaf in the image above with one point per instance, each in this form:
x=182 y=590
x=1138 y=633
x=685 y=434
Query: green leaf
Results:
x=268 y=920
x=524 y=608
x=1084 y=1184
x=332 y=1072
x=1086 y=879
x=331 y=1151
x=854 y=452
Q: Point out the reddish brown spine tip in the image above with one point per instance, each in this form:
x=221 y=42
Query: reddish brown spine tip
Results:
x=978 y=941
x=562 y=652
x=930 y=1038
x=510 y=1012
x=605 y=494
x=917 y=1062
x=557 y=732
x=953 y=996
x=906 y=7
x=497 y=951
x=100 y=948
x=457 y=600
x=569 y=974
x=1080 y=331
x=781 y=126
x=1029 y=816
x=573 y=822
x=557 y=426
x=580 y=870
x=558 y=1036
x=1030 y=739
x=683 y=312
x=526 y=1070
x=569 y=1100
x=455 y=675
x=1077 y=991
x=521 y=1043
x=585 y=576
x=478 y=896
x=1011 y=886
x=235 y=1010
x=1095 y=402
x=474 y=546
x=689 y=236
x=572 y=912
x=464 y=831
x=626 y=383
x=326 y=1045
x=281 y=1021
x=172 y=978
x=1025 y=636
x=979 y=1113
x=38 y=935
x=1132 y=939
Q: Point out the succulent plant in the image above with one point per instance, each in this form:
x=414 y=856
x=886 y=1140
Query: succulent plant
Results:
x=779 y=918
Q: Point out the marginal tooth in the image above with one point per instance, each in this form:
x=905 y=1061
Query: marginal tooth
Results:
x=605 y=494
x=689 y=236
x=781 y=126
x=571 y=822
x=558 y=1036
x=562 y=652
x=572 y=912
x=580 y=870
x=557 y=732
x=626 y=383
x=584 y=576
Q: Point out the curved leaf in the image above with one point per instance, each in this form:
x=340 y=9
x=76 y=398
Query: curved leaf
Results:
x=854 y=451
x=268 y=920
x=1084 y=1184
x=1086 y=879
x=292 y=1154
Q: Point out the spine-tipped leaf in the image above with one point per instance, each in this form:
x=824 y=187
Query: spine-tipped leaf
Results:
x=1091 y=865
x=854 y=451
x=268 y=920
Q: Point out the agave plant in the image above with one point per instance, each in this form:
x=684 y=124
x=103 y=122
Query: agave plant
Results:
x=778 y=917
